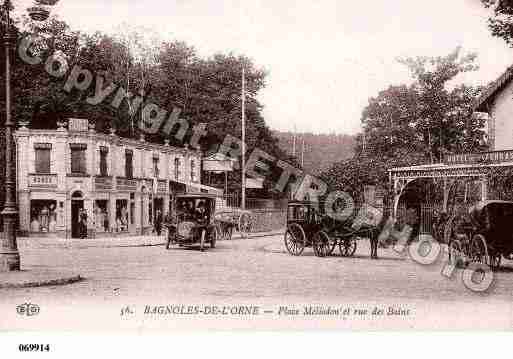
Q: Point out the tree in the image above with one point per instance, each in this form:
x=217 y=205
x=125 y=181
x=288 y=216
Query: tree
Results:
x=206 y=90
x=500 y=22
x=408 y=125
x=430 y=116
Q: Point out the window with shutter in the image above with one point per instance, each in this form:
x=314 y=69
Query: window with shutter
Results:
x=78 y=158
x=43 y=153
x=103 y=160
x=129 y=166
x=177 y=168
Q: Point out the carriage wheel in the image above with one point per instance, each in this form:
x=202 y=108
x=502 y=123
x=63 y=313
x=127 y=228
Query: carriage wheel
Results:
x=347 y=246
x=295 y=239
x=322 y=244
x=244 y=224
x=202 y=241
x=478 y=250
x=213 y=238
x=455 y=257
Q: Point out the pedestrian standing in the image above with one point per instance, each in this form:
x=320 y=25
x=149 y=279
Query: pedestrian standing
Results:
x=373 y=237
x=158 y=222
x=83 y=222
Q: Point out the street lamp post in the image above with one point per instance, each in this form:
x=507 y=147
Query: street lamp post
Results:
x=9 y=254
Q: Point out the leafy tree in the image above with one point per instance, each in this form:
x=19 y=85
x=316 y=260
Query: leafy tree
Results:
x=207 y=90
x=413 y=124
x=500 y=21
x=428 y=116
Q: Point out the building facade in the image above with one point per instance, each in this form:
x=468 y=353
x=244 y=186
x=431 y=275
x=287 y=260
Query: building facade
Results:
x=120 y=183
x=496 y=103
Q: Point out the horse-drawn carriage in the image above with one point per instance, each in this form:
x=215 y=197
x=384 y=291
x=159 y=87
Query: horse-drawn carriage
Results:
x=485 y=235
x=307 y=226
x=228 y=220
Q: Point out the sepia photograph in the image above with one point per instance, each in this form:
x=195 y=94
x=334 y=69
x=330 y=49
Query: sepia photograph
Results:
x=182 y=166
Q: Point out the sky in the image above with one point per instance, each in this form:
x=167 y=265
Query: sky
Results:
x=325 y=58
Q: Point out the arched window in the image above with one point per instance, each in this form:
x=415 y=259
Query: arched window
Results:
x=76 y=194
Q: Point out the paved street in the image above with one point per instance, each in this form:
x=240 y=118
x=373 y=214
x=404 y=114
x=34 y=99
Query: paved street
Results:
x=254 y=271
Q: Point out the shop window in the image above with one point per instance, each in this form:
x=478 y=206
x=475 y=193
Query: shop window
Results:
x=43 y=216
x=78 y=158
x=121 y=215
x=104 y=151
x=101 y=214
x=43 y=152
x=129 y=165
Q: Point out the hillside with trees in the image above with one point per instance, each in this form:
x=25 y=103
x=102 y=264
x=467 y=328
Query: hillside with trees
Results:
x=320 y=150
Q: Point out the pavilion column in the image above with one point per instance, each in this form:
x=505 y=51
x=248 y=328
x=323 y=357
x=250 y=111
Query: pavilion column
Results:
x=446 y=195
x=484 y=188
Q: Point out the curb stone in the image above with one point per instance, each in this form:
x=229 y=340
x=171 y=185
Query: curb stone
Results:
x=42 y=283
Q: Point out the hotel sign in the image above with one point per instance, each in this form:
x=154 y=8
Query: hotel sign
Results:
x=78 y=124
x=479 y=158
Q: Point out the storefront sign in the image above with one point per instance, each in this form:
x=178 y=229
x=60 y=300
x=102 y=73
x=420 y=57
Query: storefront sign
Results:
x=476 y=158
x=124 y=184
x=43 y=181
x=103 y=183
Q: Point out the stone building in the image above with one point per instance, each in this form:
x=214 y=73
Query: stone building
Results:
x=120 y=183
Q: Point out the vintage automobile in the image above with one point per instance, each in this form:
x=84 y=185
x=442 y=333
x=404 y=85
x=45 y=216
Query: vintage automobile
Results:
x=192 y=222
x=484 y=235
x=308 y=226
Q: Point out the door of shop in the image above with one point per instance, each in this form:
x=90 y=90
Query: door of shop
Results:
x=76 y=206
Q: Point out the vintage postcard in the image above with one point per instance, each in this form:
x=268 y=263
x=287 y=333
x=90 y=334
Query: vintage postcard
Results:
x=222 y=165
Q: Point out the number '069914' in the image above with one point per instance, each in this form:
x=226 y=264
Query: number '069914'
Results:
x=34 y=347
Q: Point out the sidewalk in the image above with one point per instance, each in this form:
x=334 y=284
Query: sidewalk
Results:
x=108 y=242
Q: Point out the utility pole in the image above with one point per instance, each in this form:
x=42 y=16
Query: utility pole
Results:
x=294 y=143
x=303 y=152
x=243 y=199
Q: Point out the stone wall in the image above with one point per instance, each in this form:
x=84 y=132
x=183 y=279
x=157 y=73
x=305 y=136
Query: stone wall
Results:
x=265 y=220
